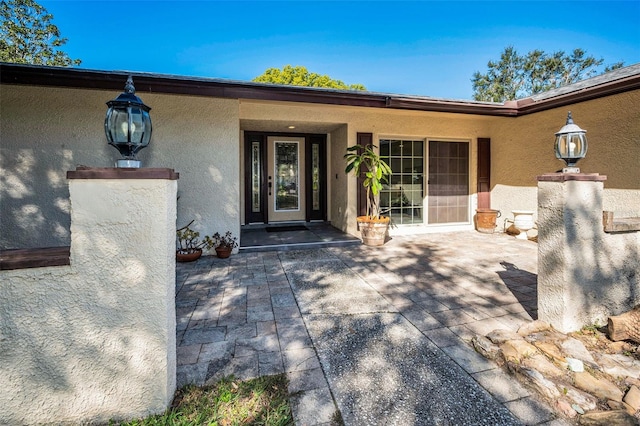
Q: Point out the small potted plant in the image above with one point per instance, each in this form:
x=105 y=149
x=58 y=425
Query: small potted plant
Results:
x=190 y=245
x=363 y=159
x=224 y=244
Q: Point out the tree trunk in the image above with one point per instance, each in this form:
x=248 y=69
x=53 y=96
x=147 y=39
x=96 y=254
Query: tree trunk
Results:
x=625 y=326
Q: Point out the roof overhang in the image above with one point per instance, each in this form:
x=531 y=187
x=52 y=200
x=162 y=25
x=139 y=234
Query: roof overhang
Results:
x=209 y=87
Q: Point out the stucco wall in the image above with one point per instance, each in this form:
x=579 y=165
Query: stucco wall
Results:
x=522 y=148
x=584 y=274
x=95 y=340
x=341 y=192
x=383 y=124
x=47 y=131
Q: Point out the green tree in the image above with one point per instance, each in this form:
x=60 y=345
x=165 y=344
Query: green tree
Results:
x=300 y=76
x=515 y=76
x=27 y=35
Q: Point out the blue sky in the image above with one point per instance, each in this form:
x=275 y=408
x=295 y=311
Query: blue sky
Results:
x=421 y=48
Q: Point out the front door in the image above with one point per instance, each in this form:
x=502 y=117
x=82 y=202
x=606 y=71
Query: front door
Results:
x=285 y=178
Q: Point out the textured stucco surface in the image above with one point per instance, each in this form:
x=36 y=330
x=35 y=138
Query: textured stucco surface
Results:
x=584 y=274
x=200 y=137
x=48 y=131
x=95 y=340
x=522 y=148
x=340 y=207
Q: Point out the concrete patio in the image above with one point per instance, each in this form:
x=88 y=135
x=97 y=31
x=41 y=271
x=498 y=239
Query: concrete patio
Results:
x=380 y=334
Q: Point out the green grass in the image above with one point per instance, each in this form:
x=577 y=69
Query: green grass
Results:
x=261 y=401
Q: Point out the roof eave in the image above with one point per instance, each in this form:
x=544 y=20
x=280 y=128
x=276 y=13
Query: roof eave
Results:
x=529 y=105
x=158 y=83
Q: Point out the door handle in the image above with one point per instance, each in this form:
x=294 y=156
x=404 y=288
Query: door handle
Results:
x=270 y=188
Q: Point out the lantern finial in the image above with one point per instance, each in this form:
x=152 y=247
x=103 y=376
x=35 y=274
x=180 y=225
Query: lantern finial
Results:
x=129 y=87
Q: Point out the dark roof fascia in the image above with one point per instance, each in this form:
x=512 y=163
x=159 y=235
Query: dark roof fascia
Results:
x=530 y=106
x=156 y=83
x=460 y=107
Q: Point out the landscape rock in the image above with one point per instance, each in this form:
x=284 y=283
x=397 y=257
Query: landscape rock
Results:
x=599 y=418
x=515 y=350
x=542 y=385
x=565 y=408
x=500 y=336
x=551 y=350
x=601 y=388
x=576 y=349
x=632 y=381
x=582 y=399
x=618 y=365
x=540 y=363
x=533 y=327
x=575 y=365
x=512 y=230
x=633 y=398
x=617 y=405
x=577 y=373
x=485 y=347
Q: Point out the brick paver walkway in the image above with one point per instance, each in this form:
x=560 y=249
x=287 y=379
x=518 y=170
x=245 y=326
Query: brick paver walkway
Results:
x=273 y=312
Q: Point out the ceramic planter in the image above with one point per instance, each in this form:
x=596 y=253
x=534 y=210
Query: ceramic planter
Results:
x=223 y=252
x=373 y=231
x=189 y=257
x=486 y=220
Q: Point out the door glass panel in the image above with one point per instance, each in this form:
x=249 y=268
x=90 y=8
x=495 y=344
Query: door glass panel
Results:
x=315 y=176
x=255 y=177
x=287 y=176
x=448 y=182
x=403 y=197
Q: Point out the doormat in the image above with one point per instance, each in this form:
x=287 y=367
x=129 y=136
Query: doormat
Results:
x=286 y=228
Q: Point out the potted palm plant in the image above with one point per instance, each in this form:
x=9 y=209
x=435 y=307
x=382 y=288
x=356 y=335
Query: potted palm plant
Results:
x=365 y=160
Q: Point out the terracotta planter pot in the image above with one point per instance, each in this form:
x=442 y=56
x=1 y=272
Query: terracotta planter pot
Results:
x=486 y=220
x=189 y=257
x=373 y=231
x=223 y=252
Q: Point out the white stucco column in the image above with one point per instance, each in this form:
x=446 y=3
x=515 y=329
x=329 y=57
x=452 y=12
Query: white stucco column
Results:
x=91 y=338
x=571 y=276
x=123 y=225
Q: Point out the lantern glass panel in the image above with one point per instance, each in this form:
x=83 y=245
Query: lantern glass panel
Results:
x=561 y=146
x=140 y=125
x=118 y=126
x=572 y=145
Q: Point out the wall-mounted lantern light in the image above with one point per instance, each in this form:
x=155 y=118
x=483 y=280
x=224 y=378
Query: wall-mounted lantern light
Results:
x=128 y=125
x=571 y=145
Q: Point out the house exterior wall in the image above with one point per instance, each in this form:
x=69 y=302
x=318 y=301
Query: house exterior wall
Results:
x=523 y=148
x=95 y=340
x=349 y=121
x=48 y=131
